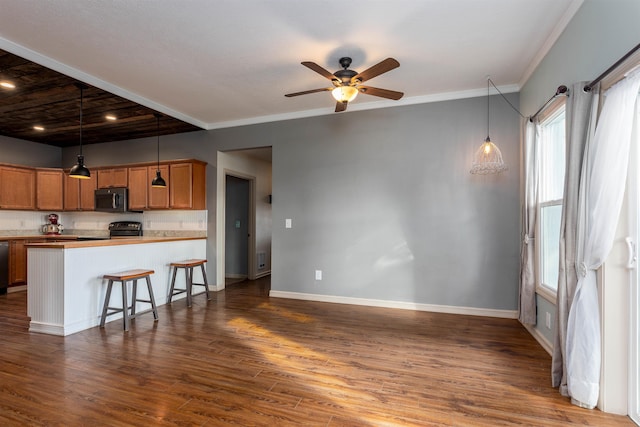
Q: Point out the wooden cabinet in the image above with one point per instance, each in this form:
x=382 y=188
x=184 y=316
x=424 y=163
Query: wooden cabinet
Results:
x=79 y=194
x=158 y=197
x=188 y=185
x=17 y=188
x=53 y=190
x=113 y=177
x=18 y=260
x=142 y=196
x=138 y=185
x=49 y=184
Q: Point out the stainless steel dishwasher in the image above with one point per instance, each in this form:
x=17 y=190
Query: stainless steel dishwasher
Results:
x=4 y=267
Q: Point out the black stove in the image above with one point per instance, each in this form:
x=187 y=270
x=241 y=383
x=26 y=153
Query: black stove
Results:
x=124 y=229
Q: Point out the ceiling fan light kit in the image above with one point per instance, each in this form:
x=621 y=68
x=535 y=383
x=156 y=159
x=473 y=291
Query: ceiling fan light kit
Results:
x=347 y=83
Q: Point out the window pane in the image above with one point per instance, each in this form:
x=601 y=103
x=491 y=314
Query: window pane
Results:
x=550 y=244
x=552 y=160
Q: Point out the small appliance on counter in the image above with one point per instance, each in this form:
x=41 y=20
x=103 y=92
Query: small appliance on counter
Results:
x=52 y=228
x=125 y=229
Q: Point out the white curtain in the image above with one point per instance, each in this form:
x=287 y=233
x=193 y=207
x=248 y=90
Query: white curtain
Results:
x=602 y=186
x=531 y=141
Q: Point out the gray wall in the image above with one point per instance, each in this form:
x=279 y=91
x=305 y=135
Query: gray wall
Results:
x=27 y=153
x=599 y=34
x=383 y=203
x=381 y=200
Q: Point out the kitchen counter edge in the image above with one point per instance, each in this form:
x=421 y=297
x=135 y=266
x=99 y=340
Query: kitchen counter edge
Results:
x=109 y=242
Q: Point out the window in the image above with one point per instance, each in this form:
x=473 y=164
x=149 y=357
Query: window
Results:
x=551 y=190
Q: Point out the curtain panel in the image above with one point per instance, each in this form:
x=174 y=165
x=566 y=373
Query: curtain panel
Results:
x=602 y=186
x=527 y=305
x=580 y=115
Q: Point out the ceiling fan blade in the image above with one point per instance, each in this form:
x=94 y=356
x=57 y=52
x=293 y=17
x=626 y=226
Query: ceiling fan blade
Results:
x=384 y=93
x=318 y=69
x=324 y=89
x=381 y=67
x=340 y=106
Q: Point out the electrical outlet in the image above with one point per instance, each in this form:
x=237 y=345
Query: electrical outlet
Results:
x=318 y=274
x=548 y=320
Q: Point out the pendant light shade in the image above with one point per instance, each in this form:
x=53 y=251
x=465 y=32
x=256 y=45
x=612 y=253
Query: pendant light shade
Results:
x=79 y=170
x=158 y=181
x=488 y=158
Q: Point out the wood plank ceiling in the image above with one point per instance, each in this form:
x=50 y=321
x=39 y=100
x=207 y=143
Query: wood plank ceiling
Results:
x=43 y=97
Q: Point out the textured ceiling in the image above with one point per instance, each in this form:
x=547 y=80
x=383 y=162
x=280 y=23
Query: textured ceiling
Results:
x=214 y=63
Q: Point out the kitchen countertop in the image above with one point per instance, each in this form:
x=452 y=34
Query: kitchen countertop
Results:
x=72 y=243
x=39 y=236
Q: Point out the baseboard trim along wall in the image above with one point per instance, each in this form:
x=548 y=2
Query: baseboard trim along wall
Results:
x=471 y=311
x=542 y=340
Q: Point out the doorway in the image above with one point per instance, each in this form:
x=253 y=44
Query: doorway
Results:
x=237 y=232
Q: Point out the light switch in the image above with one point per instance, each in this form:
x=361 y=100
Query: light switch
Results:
x=318 y=274
x=287 y=223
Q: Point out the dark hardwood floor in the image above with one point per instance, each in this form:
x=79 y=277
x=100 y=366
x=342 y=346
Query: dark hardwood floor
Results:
x=246 y=359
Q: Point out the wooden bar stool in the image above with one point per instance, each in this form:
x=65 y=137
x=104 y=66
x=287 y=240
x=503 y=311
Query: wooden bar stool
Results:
x=188 y=266
x=128 y=312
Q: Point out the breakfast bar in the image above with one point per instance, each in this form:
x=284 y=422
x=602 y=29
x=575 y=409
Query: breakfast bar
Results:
x=66 y=287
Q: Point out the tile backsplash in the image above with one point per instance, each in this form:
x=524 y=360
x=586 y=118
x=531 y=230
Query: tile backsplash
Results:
x=154 y=223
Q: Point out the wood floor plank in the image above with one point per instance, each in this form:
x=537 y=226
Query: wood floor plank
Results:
x=245 y=359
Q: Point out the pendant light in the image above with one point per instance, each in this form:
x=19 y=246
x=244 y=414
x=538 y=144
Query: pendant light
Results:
x=488 y=158
x=79 y=170
x=158 y=181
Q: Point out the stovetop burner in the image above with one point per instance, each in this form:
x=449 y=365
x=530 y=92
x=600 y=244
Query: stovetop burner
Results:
x=125 y=229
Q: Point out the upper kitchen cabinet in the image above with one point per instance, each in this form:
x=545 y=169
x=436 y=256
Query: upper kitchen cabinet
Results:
x=17 y=188
x=79 y=194
x=113 y=177
x=49 y=184
x=188 y=188
x=142 y=196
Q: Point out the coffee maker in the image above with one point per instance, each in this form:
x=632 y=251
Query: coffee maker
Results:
x=52 y=228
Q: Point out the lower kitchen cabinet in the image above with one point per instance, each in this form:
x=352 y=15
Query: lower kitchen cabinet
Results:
x=18 y=260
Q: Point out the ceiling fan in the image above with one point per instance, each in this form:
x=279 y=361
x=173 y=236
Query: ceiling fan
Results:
x=347 y=83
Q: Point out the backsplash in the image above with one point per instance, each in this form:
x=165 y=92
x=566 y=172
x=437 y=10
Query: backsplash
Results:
x=184 y=223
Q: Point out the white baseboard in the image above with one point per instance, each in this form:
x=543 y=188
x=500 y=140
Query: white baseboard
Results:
x=18 y=288
x=263 y=274
x=542 y=340
x=471 y=311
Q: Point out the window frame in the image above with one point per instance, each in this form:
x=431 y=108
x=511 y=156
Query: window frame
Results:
x=548 y=116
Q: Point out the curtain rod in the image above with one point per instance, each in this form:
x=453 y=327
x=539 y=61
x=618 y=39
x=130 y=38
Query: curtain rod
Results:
x=560 y=91
x=590 y=86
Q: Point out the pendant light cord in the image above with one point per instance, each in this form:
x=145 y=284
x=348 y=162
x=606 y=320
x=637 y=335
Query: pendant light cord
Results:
x=158 y=143
x=503 y=97
x=488 y=80
x=81 y=102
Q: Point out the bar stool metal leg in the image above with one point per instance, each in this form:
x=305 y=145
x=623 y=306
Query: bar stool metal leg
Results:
x=173 y=282
x=154 y=309
x=106 y=304
x=206 y=283
x=125 y=306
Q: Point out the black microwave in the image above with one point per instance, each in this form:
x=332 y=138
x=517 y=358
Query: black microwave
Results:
x=111 y=199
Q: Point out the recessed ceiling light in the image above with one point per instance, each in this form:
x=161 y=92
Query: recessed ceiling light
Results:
x=111 y=117
x=39 y=128
x=7 y=85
